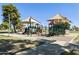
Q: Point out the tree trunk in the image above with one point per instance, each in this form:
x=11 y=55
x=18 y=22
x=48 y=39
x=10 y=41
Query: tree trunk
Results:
x=14 y=27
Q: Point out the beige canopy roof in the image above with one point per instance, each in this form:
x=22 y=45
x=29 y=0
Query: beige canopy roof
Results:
x=59 y=16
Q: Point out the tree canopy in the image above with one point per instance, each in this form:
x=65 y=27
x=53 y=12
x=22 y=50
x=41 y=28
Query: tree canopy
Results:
x=10 y=11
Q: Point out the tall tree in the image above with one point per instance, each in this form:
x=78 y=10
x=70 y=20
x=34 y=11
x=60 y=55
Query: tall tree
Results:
x=11 y=11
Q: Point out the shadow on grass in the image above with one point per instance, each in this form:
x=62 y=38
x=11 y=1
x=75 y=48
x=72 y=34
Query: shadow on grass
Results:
x=15 y=46
x=47 y=48
x=8 y=45
x=42 y=47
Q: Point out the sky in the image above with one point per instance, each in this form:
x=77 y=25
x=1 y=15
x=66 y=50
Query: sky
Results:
x=43 y=11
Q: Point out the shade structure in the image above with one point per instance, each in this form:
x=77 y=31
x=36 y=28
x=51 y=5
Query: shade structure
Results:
x=31 y=25
x=30 y=20
x=58 y=18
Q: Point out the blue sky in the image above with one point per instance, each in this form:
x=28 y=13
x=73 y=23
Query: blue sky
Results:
x=43 y=11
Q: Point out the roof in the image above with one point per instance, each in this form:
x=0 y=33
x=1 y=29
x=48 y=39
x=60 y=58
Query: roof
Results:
x=59 y=16
x=31 y=19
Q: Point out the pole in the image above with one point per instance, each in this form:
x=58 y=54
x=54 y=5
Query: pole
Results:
x=30 y=33
x=9 y=23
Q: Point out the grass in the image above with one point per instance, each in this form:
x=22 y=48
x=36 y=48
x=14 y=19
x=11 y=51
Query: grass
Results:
x=10 y=46
x=8 y=37
x=9 y=43
x=76 y=40
x=74 y=31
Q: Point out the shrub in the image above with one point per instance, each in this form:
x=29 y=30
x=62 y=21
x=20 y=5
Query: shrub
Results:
x=59 y=29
